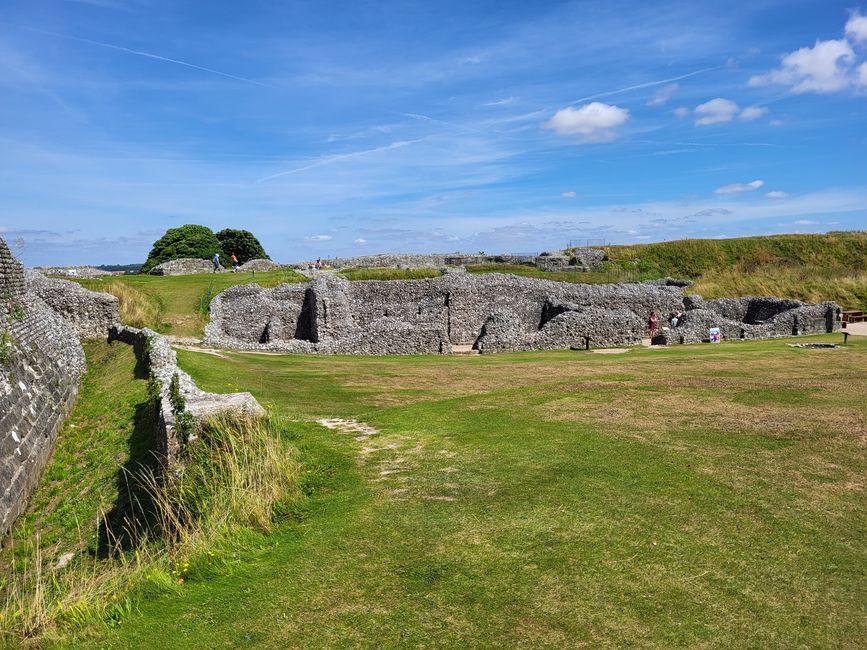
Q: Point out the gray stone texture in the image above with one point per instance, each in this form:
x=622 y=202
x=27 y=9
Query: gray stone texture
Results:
x=185 y=266
x=492 y=312
x=91 y=313
x=41 y=363
x=260 y=266
x=86 y=272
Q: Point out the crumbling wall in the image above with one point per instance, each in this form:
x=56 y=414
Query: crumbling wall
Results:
x=41 y=363
x=185 y=266
x=156 y=352
x=90 y=313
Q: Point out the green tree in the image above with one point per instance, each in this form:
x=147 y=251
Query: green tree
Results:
x=242 y=243
x=186 y=241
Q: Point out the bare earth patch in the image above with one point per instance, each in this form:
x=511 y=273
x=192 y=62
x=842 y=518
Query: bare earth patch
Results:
x=362 y=431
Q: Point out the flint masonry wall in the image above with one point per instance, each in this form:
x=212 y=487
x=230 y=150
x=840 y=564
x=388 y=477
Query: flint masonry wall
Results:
x=333 y=315
x=41 y=363
x=90 y=313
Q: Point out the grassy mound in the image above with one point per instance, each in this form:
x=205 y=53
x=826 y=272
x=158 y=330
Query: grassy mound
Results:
x=805 y=267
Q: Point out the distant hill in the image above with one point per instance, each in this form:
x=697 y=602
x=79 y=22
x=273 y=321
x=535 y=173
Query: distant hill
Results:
x=114 y=268
x=832 y=266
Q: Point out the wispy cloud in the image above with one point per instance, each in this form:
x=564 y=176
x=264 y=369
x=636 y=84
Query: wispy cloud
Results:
x=329 y=160
x=737 y=188
x=150 y=55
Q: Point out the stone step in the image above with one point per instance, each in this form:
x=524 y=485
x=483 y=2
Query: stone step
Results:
x=464 y=349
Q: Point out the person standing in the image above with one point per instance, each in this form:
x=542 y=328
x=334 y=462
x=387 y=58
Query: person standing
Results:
x=651 y=324
x=216 y=261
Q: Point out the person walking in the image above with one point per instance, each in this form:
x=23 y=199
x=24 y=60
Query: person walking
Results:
x=216 y=261
x=234 y=263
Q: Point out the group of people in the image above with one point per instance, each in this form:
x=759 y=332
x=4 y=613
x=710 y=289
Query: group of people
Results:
x=674 y=318
x=233 y=259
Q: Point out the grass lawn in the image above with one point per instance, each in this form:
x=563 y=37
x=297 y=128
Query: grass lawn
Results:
x=697 y=496
x=108 y=428
x=178 y=305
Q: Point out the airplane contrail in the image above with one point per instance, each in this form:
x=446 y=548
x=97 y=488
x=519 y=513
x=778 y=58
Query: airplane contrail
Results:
x=150 y=55
x=647 y=84
x=338 y=157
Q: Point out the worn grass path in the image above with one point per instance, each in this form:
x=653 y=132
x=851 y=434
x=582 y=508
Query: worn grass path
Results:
x=708 y=496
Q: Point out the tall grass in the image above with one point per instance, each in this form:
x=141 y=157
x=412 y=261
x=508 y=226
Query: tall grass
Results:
x=236 y=480
x=135 y=307
x=389 y=274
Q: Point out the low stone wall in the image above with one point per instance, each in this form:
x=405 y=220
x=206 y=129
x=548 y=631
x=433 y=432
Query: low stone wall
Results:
x=260 y=266
x=86 y=272
x=185 y=266
x=41 y=363
x=160 y=359
x=89 y=312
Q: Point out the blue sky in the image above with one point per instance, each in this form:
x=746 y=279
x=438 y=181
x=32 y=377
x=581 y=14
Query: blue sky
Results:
x=333 y=128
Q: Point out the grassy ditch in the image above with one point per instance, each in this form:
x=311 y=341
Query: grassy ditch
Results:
x=130 y=533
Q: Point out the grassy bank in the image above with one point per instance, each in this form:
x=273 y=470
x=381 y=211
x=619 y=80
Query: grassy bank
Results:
x=103 y=532
x=389 y=274
x=697 y=496
x=804 y=267
x=177 y=305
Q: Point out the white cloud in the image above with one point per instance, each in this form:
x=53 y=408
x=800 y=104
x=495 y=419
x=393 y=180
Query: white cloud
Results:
x=752 y=113
x=715 y=111
x=776 y=123
x=360 y=241
x=569 y=195
x=318 y=238
x=736 y=188
x=862 y=74
x=594 y=122
x=777 y=195
x=681 y=112
x=500 y=102
x=823 y=68
x=805 y=222
x=856 y=27
x=664 y=94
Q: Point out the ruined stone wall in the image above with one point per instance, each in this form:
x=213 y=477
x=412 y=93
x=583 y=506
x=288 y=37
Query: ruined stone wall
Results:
x=91 y=313
x=185 y=266
x=162 y=363
x=41 y=363
x=338 y=316
x=584 y=258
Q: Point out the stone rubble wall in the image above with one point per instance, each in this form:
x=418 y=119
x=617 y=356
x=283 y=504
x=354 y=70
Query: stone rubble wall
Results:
x=333 y=315
x=259 y=266
x=41 y=364
x=91 y=313
x=86 y=272
x=185 y=266
x=492 y=312
x=162 y=362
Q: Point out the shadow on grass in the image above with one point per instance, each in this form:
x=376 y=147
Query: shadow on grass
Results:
x=131 y=517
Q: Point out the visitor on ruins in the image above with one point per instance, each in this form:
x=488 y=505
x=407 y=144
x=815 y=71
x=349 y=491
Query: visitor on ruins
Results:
x=216 y=261
x=318 y=264
x=675 y=318
x=234 y=263
x=651 y=324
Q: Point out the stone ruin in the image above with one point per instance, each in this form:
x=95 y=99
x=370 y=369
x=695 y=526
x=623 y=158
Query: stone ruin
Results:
x=487 y=312
x=42 y=323
x=582 y=259
x=185 y=266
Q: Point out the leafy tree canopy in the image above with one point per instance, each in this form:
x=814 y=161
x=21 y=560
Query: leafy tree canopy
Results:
x=187 y=241
x=242 y=243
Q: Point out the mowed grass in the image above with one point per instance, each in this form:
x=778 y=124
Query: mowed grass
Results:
x=707 y=496
x=177 y=305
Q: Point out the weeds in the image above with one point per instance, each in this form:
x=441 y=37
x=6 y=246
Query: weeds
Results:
x=240 y=476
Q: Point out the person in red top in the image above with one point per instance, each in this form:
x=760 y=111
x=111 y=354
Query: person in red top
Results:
x=234 y=263
x=651 y=324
